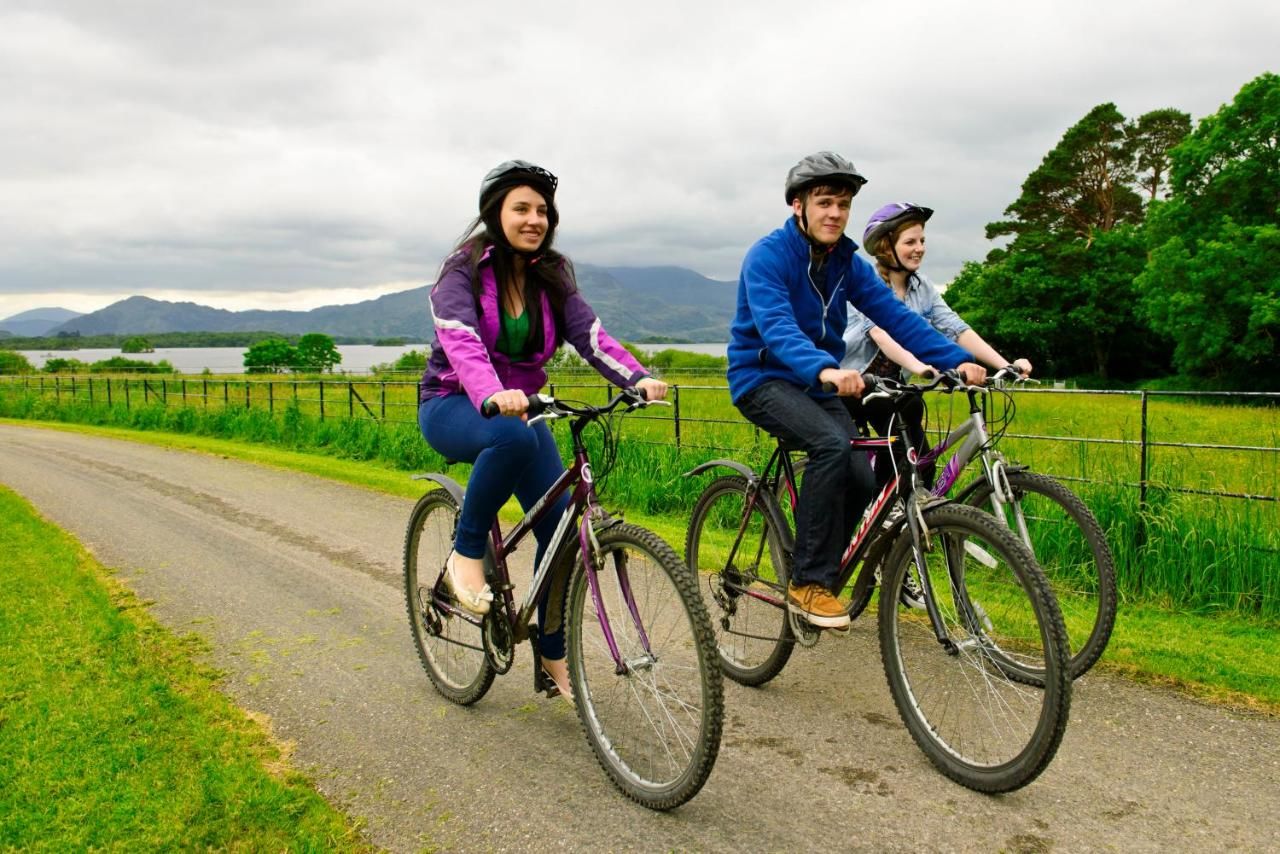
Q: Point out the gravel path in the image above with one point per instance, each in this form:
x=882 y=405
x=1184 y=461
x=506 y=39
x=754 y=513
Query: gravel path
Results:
x=295 y=581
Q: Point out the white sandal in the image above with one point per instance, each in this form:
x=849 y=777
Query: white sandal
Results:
x=475 y=601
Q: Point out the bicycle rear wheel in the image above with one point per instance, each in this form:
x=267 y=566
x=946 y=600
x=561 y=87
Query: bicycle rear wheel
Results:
x=1070 y=547
x=655 y=728
x=965 y=704
x=743 y=578
x=450 y=646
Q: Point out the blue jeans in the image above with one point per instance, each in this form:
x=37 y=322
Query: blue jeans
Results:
x=509 y=457
x=838 y=483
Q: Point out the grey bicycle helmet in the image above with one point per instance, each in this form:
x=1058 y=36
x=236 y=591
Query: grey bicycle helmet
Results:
x=822 y=168
x=889 y=217
x=514 y=173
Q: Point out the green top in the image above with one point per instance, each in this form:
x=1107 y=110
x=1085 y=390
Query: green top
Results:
x=513 y=335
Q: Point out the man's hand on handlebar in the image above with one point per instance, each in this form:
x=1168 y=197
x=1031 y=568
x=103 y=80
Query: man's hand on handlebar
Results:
x=847 y=383
x=971 y=373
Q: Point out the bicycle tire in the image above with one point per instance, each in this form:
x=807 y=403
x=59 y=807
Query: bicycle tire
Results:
x=976 y=722
x=449 y=647
x=753 y=636
x=1070 y=547
x=655 y=729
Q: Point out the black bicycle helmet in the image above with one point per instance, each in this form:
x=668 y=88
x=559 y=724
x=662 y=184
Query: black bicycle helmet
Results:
x=514 y=173
x=889 y=217
x=822 y=168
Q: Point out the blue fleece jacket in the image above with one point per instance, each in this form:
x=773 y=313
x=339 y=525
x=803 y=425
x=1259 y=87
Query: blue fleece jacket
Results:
x=789 y=326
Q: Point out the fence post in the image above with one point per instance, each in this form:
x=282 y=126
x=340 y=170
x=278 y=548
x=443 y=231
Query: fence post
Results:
x=675 y=412
x=127 y=402
x=351 y=400
x=204 y=392
x=384 y=400
x=57 y=388
x=108 y=392
x=320 y=383
x=1142 y=461
x=91 y=391
x=226 y=394
x=248 y=404
x=271 y=396
x=73 y=388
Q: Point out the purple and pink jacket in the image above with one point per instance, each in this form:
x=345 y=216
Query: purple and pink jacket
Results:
x=463 y=358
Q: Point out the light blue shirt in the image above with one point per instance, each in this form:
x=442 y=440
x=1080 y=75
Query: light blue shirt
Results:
x=922 y=297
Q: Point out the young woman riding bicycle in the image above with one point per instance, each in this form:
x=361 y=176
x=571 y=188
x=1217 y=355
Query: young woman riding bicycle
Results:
x=502 y=305
x=894 y=237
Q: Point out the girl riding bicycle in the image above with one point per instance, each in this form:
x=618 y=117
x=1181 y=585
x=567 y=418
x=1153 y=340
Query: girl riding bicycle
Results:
x=502 y=305
x=894 y=237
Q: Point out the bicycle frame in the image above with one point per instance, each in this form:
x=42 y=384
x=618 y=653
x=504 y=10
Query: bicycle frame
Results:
x=585 y=510
x=903 y=488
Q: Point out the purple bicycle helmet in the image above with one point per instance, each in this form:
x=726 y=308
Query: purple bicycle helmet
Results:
x=889 y=217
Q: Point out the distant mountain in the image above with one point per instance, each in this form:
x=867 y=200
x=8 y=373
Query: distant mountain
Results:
x=37 y=321
x=635 y=303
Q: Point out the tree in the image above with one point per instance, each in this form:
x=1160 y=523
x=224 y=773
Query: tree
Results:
x=1082 y=186
x=269 y=356
x=317 y=353
x=1213 y=280
x=1153 y=135
x=12 y=362
x=136 y=344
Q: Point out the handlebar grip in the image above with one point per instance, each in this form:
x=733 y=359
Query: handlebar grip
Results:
x=829 y=388
x=538 y=404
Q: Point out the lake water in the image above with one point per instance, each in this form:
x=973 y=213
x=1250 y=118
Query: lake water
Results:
x=356 y=358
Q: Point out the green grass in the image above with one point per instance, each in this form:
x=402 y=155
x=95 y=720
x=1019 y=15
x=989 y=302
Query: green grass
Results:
x=1175 y=550
x=114 y=735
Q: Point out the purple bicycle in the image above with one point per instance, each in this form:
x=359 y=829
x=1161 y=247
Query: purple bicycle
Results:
x=642 y=658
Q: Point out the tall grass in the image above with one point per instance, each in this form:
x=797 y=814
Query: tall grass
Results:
x=1179 y=551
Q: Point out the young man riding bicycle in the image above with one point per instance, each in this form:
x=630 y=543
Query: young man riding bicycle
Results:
x=786 y=341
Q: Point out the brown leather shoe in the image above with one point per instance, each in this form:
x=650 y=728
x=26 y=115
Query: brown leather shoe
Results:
x=816 y=604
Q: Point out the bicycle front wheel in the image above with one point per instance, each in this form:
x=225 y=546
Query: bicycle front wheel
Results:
x=450 y=646
x=967 y=703
x=654 y=716
x=741 y=561
x=1069 y=545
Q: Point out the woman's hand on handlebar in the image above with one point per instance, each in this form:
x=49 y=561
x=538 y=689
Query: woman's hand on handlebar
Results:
x=1023 y=366
x=653 y=389
x=846 y=383
x=509 y=401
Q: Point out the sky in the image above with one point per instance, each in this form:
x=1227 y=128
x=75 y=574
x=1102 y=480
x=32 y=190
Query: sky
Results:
x=275 y=155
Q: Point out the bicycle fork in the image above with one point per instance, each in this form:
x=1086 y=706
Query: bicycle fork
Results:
x=590 y=547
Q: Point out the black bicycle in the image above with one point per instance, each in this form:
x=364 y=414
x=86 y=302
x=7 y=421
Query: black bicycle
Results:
x=1050 y=520
x=646 y=681
x=972 y=641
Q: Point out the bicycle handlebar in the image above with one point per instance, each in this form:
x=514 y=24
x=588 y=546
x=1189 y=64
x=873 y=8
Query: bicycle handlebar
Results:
x=546 y=406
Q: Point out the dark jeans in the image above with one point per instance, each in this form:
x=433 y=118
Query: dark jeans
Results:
x=878 y=414
x=838 y=483
x=510 y=457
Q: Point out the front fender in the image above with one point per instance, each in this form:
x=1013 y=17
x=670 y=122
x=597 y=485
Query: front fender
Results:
x=741 y=469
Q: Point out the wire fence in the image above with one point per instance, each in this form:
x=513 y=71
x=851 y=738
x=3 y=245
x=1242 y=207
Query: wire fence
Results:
x=1161 y=441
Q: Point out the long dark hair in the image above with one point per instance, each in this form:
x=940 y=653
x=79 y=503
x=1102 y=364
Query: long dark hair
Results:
x=546 y=270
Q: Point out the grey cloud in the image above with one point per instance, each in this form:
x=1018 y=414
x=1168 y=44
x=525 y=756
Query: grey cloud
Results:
x=270 y=145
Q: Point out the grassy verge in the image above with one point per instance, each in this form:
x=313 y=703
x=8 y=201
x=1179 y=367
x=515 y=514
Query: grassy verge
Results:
x=114 y=735
x=1220 y=656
